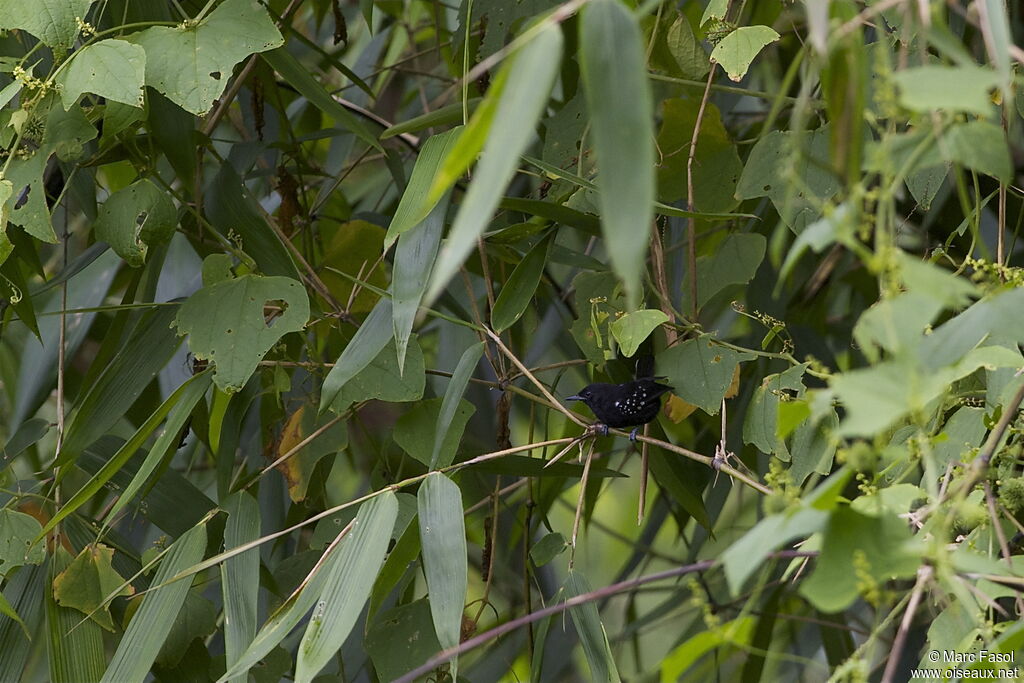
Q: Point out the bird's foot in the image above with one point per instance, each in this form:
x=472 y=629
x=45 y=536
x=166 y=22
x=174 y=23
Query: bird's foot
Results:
x=599 y=428
x=632 y=434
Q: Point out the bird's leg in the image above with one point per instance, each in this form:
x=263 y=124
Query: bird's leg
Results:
x=632 y=434
x=600 y=428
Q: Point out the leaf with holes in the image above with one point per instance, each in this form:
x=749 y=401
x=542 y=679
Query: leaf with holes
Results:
x=228 y=323
x=135 y=218
x=192 y=63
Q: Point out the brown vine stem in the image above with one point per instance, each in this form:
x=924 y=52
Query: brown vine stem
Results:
x=923 y=576
x=691 y=222
x=693 y=455
x=593 y=596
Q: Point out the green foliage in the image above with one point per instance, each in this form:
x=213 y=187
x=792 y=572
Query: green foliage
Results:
x=291 y=295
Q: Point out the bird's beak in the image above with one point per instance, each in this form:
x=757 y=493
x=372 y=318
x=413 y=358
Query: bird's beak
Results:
x=573 y=398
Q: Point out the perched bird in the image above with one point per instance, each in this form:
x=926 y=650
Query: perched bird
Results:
x=623 y=405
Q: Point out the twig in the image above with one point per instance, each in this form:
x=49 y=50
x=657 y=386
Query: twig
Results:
x=924 y=573
x=599 y=594
x=691 y=222
x=1004 y=547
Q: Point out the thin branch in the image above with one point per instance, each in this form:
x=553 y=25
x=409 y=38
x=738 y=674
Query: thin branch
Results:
x=599 y=594
x=691 y=222
x=924 y=574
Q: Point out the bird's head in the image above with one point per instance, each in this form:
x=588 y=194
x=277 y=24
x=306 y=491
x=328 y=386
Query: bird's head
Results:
x=584 y=394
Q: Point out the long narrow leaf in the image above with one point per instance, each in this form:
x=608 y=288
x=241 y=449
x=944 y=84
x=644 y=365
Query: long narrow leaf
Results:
x=414 y=206
x=74 y=647
x=591 y=631
x=126 y=451
x=240 y=577
x=619 y=101
x=152 y=622
x=452 y=397
x=194 y=390
x=287 y=615
x=348 y=585
x=531 y=73
x=515 y=295
x=414 y=258
x=443 y=536
x=372 y=336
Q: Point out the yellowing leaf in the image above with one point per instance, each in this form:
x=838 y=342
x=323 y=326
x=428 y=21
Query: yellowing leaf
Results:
x=87 y=581
x=677 y=410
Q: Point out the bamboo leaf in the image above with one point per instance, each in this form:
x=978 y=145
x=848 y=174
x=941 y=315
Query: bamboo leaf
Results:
x=518 y=291
x=372 y=336
x=531 y=73
x=240 y=577
x=443 y=537
x=348 y=585
x=452 y=398
x=619 y=100
x=152 y=622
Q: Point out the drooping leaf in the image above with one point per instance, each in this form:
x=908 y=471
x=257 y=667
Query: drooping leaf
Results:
x=375 y=332
x=619 y=101
x=443 y=538
x=51 y=21
x=88 y=581
x=530 y=75
x=518 y=290
x=18 y=533
x=452 y=403
x=633 y=328
x=347 y=586
x=737 y=50
x=591 y=631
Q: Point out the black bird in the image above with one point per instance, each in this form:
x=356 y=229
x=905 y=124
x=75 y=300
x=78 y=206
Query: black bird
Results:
x=623 y=405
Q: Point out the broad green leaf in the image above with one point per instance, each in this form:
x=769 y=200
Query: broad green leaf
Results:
x=733 y=634
x=65 y=134
x=951 y=88
x=414 y=259
x=936 y=282
x=401 y=639
x=451 y=403
x=548 y=548
x=619 y=101
x=895 y=325
x=856 y=545
x=518 y=290
x=591 y=631
x=700 y=371
x=716 y=163
x=136 y=218
x=530 y=72
x=300 y=78
x=74 y=647
x=51 y=21
x=192 y=63
x=226 y=323
x=836 y=225
x=187 y=395
x=963 y=431
x=716 y=9
x=416 y=431
x=18 y=533
x=197 y=619
x=372 y=336
x=598 y=300
x=348 y=585
x=146 y=352
x=760 y=424
x=352 y=249
x=113 y=69
x=413 y=208
x=978 y=145
x=734 y=262
x=443 y=538
x=152 y=621
x=687 y=53
x=769 y=171
x=813 y=447
x=384 y=380
x=633 y=328
x=88 y=581
x=240 y=577
x=744 y=556
x=737 y=50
